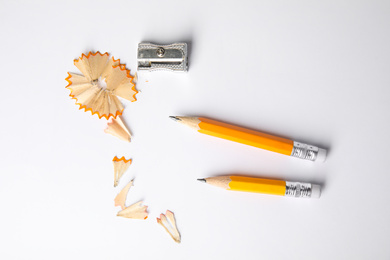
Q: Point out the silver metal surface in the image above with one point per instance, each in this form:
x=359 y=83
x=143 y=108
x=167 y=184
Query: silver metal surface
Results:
x=304 y=151
x=172 y=57
x=298 y=189
x=160 y=52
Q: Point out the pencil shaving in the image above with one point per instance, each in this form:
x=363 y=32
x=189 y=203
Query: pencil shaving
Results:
x=135 y=211
x=120 y=167
x=120 y=199
x=117 y=128
x=169 y=223
x=103 y=80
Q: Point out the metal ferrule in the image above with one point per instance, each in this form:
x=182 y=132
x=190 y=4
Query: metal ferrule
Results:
x=304 y=151
x=298 y=189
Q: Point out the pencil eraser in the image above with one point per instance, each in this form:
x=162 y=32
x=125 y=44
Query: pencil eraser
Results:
x=321 y=155
x=315 y=191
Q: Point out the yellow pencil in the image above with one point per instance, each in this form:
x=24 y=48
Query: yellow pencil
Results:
x=253 y=138
x=265 y=186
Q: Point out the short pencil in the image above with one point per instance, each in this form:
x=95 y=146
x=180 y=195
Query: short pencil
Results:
x=265 y=186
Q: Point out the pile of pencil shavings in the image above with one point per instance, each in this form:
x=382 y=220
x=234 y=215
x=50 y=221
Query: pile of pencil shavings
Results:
x=97 y=89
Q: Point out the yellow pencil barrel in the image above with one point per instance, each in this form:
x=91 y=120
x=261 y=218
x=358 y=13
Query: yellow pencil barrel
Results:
x=261 y=140
x=265 y=186
x=246 y=136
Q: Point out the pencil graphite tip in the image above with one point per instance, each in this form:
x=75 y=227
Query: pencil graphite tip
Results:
x=175 y=118
x=202 y=180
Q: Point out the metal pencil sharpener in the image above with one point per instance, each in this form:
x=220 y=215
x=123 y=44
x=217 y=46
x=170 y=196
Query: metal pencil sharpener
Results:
x=172 y=57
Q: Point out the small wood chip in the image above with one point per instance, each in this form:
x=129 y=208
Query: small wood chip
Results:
x=120 y=167
x=135 y=211
x=120 y=199
x=169 y=223
x=117 y=128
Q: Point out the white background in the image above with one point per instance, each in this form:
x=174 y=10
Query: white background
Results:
x=312 y=71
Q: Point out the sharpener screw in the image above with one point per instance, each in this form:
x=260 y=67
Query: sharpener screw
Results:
x=160 y=52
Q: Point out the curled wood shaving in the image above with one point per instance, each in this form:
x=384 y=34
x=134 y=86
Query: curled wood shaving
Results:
x=120 y=167
x=135 y=211
x=120 y=199
x=117 y=128
x=169 y=223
